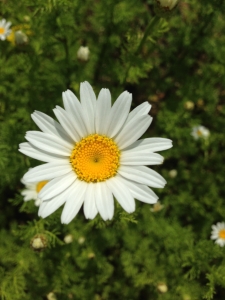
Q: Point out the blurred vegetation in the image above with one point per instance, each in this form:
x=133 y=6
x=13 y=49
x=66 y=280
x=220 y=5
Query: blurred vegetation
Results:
x=181 y=59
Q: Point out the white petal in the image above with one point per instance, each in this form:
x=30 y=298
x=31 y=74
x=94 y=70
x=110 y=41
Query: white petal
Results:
x=136 y=158
x=140 y=110
x=74 y=202
x=142 y=175
x=66 y=123
x=151 y=145
x=49 y=125
x=29 y=195
x=121 y=193
x=49 y=143
x=119 y=113
x=48 y=171
x=74 y=109
x=48 y=207
x=36 y=153
x=57 y=186
x=90 y=209
x=140 y=192
x=104 y=201
x=88 y=102
x=103 y=107
x=133 y=131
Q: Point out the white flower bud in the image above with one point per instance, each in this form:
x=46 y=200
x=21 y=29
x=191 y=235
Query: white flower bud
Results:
x=51 y=296
x=162 y=288
x=68 y=238
x=83 y=53
x=81 y=240
x=167 y=4
x=189 y=105
x=39 y=242
x=173 y=173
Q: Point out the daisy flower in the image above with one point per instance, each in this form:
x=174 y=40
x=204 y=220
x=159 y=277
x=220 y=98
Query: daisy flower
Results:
x=4 y=29
x=218 y=233
x=199 y=132
x=32 y=190
x=93 y=154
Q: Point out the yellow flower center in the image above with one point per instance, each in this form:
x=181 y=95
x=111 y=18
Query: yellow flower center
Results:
x=199 y=132
x=40 y=185
x=2 y=30
x=95 y=158
x=222 y=234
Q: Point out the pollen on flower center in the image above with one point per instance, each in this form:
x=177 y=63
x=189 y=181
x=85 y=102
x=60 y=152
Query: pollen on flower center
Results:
x=2 y=30
x=40 y=185
x=222 y=234
x=95 y=158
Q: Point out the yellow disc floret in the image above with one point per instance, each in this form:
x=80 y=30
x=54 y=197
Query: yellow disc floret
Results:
x=2 y=30
x=40 y=185
x=222 y=234
x=95 y=158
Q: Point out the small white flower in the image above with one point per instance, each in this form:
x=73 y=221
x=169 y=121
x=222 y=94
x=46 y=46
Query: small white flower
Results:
x=93 y=155
x=83 y=53
x=4 y=29
x=200 y=132
x=32 y=190
x=20 y=37
x=170 y=4
x=68 y=238
x=218 y=233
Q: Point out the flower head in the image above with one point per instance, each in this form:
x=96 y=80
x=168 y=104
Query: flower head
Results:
x=83 y=53
x=32 y=190
x=4 y=29
x=93 y=154
x=200 y=132
x=218 y=233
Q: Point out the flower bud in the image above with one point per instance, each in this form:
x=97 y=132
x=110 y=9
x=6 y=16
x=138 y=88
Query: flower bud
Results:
x=39 y=242
x=83 y=53
x=68 y=238
x=163 y=8
x=81 y=240
x=162 y=288
x=173 y=173
x=51 y=296
x=189 y=105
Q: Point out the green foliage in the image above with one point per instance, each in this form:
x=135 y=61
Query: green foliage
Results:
x=167 y=62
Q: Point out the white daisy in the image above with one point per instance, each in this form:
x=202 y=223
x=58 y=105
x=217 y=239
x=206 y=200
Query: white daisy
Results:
x=200 y=132
x=92 y=154
x=32 y=190
x=4 y=29
x=218 y=233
